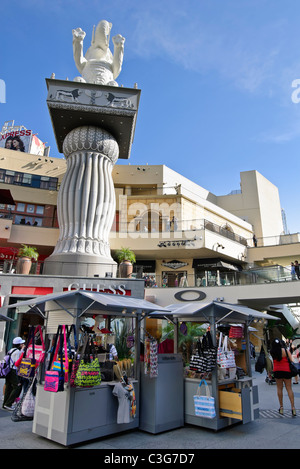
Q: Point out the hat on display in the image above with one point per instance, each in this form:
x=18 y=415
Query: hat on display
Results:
x=18 y=340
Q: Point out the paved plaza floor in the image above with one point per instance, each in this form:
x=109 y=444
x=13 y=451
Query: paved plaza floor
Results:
x=270 y=431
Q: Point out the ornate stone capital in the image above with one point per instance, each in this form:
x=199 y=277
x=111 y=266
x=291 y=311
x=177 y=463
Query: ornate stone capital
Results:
x=94 y=139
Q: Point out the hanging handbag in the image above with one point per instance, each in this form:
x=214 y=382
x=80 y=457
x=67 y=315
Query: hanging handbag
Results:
x=54 y=379
x=261 y=362
x=56 y=364
x=209 y=352
x=75 y=362
x=39 y=350
x=26 y=368
x=71 y=348
x=197 y=361
x=28 y=402
x=293 y=368
x=88 y=372
x=225 y=356
x=204 y=405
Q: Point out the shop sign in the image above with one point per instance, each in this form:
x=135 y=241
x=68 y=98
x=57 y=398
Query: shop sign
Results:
x=100 y=287
x=174 y=264
x=199 y=295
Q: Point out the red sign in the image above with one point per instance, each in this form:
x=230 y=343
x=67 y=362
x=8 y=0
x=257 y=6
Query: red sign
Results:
x=31 y=290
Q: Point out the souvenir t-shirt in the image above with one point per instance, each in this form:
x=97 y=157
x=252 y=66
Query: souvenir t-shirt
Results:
x=123 y=396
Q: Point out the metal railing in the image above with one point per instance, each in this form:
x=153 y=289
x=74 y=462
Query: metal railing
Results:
x=278 y=240
x=213 y=278
x=178 y=226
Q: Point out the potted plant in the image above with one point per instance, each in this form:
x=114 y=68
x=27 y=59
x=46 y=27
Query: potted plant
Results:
x=26 y=254
x=125 y=258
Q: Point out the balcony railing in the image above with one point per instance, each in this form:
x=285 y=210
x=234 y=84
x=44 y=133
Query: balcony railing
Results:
x=278 y=240
x=177 y=226
x=214 y=278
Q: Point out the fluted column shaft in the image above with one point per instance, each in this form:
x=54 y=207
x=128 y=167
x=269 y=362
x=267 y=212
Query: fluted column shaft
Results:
x=86 y=199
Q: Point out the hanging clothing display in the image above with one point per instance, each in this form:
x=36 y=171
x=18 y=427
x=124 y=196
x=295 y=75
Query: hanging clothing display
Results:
x=150 y=358
x=126 y=402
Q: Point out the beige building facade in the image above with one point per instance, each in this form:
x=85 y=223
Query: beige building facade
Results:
x=161 y=215
x=189 y=243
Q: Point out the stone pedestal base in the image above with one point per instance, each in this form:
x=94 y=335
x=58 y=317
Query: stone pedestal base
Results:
x=80 y=265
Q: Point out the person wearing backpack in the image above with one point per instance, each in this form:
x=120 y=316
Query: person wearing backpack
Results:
x=13 y=385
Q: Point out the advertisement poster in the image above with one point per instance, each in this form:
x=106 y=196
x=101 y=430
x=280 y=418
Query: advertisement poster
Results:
x=22 y=140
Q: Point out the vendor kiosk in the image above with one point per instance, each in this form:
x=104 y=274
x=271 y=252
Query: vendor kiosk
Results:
x=235 y=398
x=81 y=414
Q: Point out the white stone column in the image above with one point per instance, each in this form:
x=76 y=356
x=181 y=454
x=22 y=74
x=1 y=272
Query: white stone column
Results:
x=86 y=205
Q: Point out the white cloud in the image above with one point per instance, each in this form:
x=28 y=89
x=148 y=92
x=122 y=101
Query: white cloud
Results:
x=246 y=56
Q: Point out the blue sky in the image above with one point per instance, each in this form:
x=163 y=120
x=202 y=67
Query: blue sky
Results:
x=216 y=79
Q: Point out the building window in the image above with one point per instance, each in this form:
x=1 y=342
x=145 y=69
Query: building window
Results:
x=39 y=210
x=26 y=179
x=30 y=208
x=20 y=207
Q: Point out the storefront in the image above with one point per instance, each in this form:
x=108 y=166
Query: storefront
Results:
x=213 y=272
x=15 y=288
x=145 y=269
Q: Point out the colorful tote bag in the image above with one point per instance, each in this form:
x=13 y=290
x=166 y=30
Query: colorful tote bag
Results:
x=39 y=350
x=204 y=404
x=88 y=373
x=61 y=352
x=54 y=379
x=33 y=354
x=26 y=368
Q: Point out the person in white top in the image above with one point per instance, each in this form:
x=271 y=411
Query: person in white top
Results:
x=13 y=385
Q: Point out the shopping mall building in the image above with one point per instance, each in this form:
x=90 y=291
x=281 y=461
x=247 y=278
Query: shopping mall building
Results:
x=189 y=243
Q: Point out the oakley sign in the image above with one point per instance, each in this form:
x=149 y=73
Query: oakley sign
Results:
x=190 y=295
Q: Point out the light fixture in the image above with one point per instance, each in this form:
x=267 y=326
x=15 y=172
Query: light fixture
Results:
x=124 y=311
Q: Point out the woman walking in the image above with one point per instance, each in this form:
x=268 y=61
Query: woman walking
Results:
x=282 y=373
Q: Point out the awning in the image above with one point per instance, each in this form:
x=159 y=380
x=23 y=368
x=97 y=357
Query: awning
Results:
x=6 y=197
x=192 y=311
x=148 y=266
x=228 y=266
x=84 y=300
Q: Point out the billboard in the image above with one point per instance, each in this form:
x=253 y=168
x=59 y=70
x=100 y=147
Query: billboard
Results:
x=23 y=140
